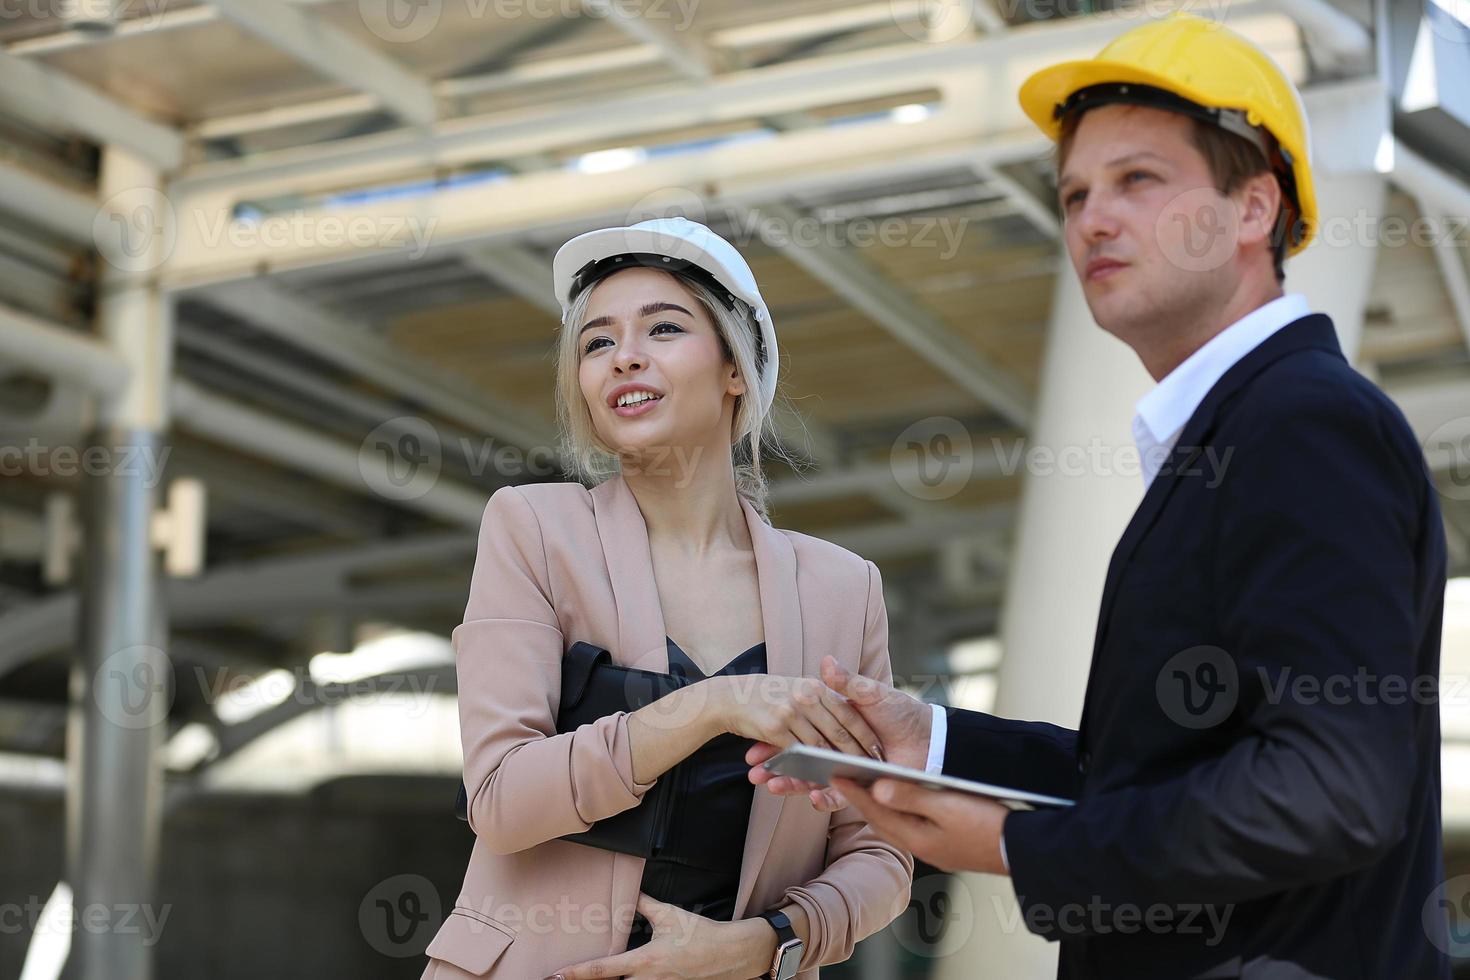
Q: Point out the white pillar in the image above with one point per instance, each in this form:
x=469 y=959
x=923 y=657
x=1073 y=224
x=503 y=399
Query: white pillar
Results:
x=1070 y=519
x=1336 y=270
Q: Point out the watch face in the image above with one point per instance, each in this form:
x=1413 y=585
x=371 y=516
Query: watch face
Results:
x=790 y=960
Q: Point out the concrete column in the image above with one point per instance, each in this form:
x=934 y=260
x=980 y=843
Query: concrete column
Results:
x=1081 y=486
x=1336 y=270
x=121 y=685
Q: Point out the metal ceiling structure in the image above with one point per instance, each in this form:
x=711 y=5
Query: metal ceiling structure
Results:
x=340 y=216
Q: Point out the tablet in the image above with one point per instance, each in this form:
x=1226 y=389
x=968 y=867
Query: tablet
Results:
x=819 y=766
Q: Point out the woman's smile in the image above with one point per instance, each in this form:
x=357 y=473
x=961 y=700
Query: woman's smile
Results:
x=638 y=408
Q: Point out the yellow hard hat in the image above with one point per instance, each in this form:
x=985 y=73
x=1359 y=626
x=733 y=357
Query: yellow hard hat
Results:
x=1201 y=68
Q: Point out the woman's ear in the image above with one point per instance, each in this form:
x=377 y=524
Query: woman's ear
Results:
x=734 y=384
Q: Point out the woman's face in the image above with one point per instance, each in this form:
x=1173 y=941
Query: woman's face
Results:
x=645 y=334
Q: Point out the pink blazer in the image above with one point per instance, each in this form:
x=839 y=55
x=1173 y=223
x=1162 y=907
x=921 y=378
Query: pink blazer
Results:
x=558 y=564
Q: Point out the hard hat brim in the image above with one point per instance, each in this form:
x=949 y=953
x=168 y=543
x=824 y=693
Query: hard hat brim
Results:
x=1046 y=89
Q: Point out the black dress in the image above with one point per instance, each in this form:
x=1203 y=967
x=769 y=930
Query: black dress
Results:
x=698 y=868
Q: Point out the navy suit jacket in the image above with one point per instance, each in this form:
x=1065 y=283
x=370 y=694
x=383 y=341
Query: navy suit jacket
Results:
x=1257 y=767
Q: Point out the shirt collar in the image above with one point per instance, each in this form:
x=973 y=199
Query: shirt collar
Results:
x=1171 y=402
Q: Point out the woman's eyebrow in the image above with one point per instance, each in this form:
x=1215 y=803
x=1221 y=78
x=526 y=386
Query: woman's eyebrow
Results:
x=653 y=308
x=648 y=310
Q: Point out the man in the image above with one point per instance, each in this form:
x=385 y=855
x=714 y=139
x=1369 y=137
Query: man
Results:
x=1256 y=772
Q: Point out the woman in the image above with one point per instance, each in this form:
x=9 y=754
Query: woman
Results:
x=669 y=564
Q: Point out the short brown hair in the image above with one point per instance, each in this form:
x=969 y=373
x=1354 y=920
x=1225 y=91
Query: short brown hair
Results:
x=1232 y=161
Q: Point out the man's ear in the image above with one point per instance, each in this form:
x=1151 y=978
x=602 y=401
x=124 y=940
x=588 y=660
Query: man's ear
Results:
x=1258 y=202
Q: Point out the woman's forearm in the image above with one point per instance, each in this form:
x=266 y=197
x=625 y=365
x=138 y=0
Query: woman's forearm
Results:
x=664 y=733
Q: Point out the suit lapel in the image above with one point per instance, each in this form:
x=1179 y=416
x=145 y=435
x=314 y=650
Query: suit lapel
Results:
x=1315 y=331
x=642 y=633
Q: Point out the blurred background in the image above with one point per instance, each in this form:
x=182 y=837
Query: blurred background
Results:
x=276 y=319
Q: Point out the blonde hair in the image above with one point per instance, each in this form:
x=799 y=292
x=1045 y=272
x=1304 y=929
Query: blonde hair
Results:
x=591 y=461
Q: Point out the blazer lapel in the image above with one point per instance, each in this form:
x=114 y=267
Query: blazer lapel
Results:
x=775 y=561
x=624 y=536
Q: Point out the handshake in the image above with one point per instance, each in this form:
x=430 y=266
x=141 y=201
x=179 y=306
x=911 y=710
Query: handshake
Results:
x=854 y=714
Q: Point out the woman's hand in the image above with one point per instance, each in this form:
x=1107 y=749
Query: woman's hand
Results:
x=686 y=945
x=786 y=711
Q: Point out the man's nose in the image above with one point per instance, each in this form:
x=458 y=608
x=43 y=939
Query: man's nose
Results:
x=1095 y=221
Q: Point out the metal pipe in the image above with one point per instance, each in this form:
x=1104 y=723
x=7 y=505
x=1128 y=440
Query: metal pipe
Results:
x=37 y=345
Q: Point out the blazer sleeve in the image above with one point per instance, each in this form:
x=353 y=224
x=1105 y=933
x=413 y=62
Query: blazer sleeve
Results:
x=867 y=880
x=1028 y=755
x=526 y=783
x=1317 y=520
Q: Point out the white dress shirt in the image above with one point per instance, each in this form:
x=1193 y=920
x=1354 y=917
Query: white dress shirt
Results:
x=1160 y=417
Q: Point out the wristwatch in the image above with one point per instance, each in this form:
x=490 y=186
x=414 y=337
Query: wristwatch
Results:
x=789 y=947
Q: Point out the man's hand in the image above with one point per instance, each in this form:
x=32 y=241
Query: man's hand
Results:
x=902 y=723
x=949 y=830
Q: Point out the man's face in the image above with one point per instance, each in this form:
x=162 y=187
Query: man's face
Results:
x=1150 y=236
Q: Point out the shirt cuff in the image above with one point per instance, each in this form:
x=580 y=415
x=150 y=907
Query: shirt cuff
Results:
x=937 y=735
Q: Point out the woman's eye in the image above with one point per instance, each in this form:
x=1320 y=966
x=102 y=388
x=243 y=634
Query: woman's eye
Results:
x=665 y=323
x=591 y=344
x=1137 y=173
x=1073 y=198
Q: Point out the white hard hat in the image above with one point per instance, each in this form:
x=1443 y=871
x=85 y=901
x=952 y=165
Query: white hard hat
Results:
x=678 y=245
